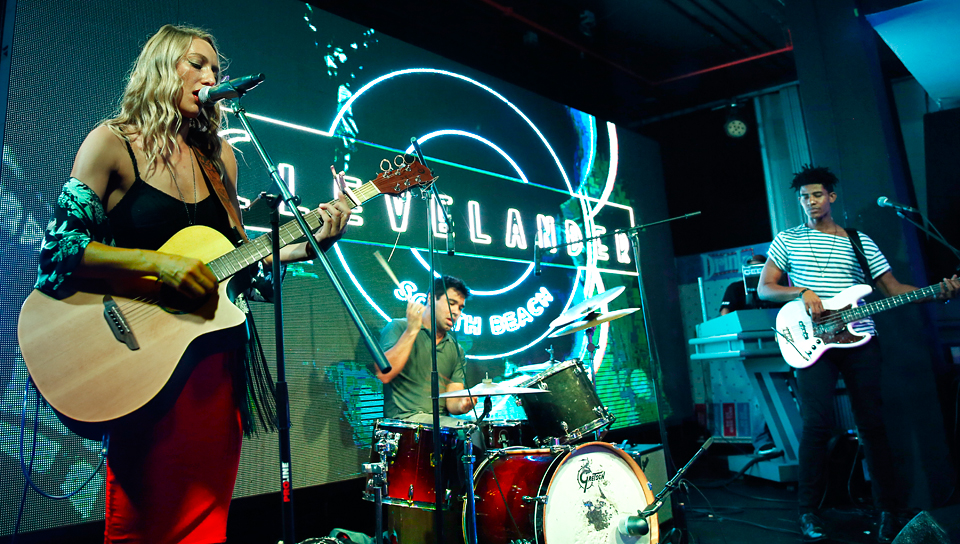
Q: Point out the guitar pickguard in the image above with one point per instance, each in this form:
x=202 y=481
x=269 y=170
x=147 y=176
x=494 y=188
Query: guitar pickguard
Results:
x=834 y=332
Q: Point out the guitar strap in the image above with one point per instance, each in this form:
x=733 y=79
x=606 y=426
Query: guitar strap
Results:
x=254 y=388
x=861 y=256
x=213 y=176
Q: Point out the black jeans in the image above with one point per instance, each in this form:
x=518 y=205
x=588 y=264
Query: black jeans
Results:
x=860 y=367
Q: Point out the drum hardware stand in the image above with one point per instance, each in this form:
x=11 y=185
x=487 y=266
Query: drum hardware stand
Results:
x=386 y=446
x=468 y=460
x=592 y=348
x=282 y=396
x=634 y=235
x=637 y=525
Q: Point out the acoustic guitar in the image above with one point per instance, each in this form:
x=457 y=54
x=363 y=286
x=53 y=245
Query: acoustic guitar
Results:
x=109 y=350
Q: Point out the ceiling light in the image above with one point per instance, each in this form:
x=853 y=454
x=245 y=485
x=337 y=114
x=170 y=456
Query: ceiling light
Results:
x=736 y=125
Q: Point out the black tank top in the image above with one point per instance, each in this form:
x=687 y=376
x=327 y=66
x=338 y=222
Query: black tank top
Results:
x=146 y=217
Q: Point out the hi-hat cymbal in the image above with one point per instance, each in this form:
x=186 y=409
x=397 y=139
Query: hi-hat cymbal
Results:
x=483 y=389
x=587 y=307
x=594 y=320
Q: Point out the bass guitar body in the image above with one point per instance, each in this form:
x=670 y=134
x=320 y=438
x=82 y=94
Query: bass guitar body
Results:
x=107 y=351
x=802 y=341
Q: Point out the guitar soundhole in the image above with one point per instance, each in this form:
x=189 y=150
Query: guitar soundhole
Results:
x=176 y=303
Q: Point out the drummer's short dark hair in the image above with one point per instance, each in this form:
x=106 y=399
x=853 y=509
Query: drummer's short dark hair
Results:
x=441 y=284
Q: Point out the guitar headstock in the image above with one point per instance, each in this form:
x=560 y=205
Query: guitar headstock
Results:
x=403 y=177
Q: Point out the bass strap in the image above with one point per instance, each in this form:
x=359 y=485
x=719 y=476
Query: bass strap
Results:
x=861 y=256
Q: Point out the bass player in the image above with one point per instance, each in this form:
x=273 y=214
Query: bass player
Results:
x=820 y=258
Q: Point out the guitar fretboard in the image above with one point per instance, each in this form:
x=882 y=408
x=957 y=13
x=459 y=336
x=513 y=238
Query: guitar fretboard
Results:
x=227 y=265
x=860 y=312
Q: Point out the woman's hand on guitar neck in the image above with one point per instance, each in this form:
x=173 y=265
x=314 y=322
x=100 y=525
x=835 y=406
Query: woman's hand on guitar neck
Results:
x=335 y=214
x=190 y=277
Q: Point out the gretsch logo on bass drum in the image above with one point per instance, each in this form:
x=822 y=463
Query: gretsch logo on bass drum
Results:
x=586 y=476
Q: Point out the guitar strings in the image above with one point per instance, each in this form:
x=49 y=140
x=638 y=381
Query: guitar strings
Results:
x=139 y=308
x=836 y=317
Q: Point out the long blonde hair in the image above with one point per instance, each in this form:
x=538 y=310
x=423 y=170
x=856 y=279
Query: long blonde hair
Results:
x=150 y=103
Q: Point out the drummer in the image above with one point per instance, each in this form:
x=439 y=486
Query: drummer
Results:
x=407 y=345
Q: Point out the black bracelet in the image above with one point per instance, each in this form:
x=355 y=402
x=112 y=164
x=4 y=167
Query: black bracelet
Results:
x=802 y=291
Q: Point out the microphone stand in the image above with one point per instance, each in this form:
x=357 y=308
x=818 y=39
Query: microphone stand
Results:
x=439 y=488
x=637 y=525
x=679 y=513
x=283 y=399
x=931 y=231
x=634 y=234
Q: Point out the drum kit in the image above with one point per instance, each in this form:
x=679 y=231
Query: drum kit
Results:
x=544 y=480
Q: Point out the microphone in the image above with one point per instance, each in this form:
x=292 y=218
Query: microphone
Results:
x=633 y=526
x=885 y=202
x=536 y=259
x=231 y=88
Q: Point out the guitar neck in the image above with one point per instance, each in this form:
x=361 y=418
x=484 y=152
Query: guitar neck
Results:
x=229 y=264
x=860 y=312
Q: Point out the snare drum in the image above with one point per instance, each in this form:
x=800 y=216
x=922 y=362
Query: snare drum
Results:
x=570 y=410
x=499 y=434
x=408 y=449
x=559 y=496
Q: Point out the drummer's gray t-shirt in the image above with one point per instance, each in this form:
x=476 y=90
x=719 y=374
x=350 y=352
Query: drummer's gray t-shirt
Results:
x=408 y=393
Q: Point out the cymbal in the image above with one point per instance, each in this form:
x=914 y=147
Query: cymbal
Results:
x=484 y=389
x=594 y=320
x=586 y=307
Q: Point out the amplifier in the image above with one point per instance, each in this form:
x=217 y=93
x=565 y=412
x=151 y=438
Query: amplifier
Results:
x=652 y=463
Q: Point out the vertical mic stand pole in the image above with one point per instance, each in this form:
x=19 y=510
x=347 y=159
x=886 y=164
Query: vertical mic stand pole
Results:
x=438 y=486
x=679 y=514
x=283 y=397
x=283 y=400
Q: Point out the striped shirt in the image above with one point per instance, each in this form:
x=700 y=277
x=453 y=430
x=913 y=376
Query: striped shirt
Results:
x=825 y=263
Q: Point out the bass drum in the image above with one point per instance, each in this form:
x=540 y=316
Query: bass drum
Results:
x=559 y=496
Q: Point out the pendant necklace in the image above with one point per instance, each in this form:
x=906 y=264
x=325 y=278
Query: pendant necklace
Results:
x=833 y=243
x=176 y=183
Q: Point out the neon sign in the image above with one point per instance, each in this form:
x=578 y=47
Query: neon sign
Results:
x=498 y=216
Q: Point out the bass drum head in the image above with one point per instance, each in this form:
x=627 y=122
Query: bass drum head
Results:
x=594 y=487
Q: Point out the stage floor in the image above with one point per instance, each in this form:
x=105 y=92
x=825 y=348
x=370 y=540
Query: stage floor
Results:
x=746 y=510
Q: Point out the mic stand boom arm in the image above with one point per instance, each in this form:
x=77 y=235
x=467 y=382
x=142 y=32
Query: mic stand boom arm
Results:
x=538 y=251
x=372 y=345
x=283 y=401
x=931 y=230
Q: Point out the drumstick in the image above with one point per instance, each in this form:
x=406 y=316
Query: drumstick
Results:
x=386 y=266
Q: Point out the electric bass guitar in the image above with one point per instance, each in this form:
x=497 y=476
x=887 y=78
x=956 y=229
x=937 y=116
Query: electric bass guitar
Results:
x=802 y=341
x=108 y=350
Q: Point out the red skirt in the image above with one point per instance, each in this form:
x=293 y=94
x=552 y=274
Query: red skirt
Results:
x=173 y=481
